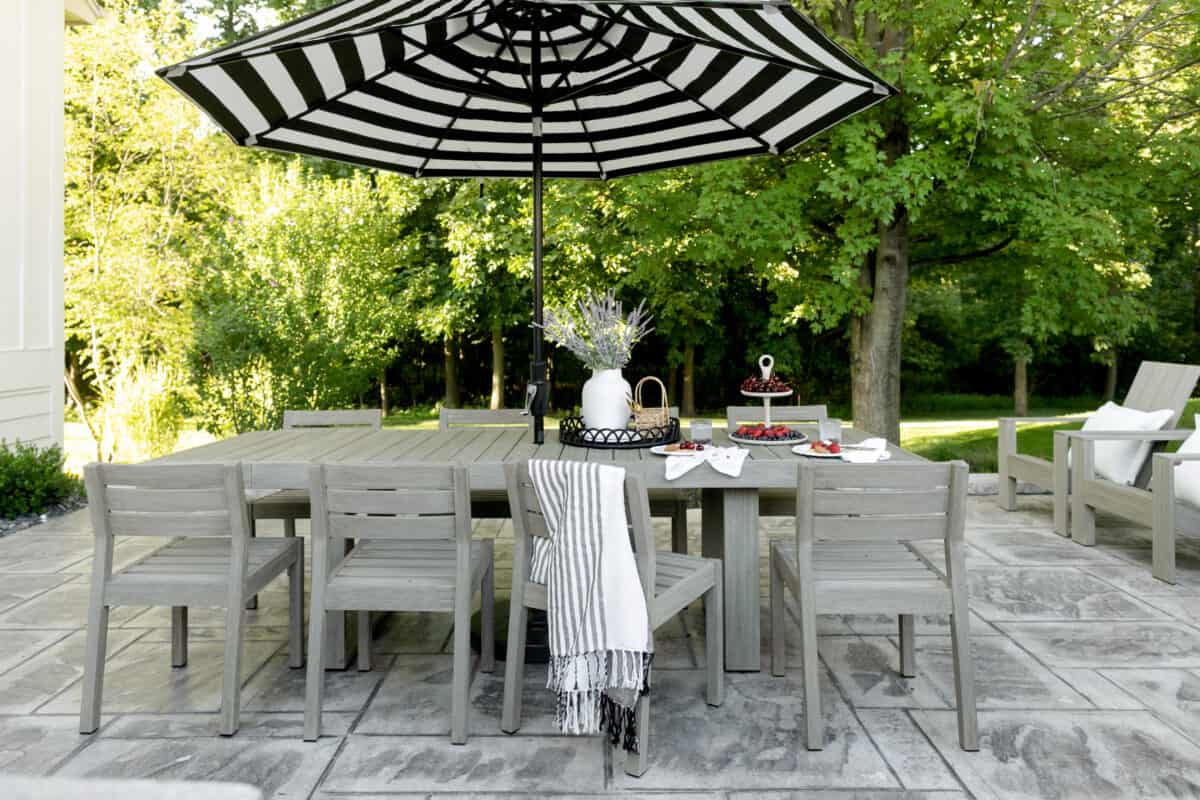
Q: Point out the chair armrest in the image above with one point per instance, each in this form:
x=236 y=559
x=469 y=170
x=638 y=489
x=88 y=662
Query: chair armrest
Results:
x=1175 y=459
x=1144 y=436
x=1019 y=420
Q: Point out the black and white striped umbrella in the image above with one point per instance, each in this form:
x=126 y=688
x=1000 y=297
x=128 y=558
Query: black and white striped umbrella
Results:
x=508 y=88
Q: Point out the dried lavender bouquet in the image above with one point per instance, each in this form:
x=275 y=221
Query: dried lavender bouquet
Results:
x=597 y=331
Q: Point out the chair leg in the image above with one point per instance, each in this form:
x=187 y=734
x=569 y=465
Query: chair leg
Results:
x=364 y=641
x=514 y=662
x=964 y=678
x=679 y=529
x=777 y=601
x=714 y=638
x=1062 y=485
x=814 y=726
x=1008 y=493
x=252 y=603
x=637 y=763
x=93 y=669
x=461 y=681
x=296 y=611
x=908 y=650
x=179 y=636
x=231 y=688
x=487 y=615
x=314 y=683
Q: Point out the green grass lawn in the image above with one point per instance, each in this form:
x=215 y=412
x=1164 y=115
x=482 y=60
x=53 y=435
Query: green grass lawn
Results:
x=959 y=426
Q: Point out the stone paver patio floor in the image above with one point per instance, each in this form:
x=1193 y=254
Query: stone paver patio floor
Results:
x=1088 y=675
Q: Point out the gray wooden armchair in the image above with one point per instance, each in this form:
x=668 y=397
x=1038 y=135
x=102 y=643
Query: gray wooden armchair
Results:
x=1156 y=385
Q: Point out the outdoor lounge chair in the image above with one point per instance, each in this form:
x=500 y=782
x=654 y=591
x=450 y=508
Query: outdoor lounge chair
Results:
x=852 y=555
x=210 y=562
x=414 y=552
x=1156 y=385
x=670 y=582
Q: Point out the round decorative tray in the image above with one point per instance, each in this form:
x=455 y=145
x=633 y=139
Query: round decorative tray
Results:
x=571 y=431
x=801 y=438
x=787 y=393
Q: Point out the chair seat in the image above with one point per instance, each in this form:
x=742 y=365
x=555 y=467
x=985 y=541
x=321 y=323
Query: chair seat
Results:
x=285 y=504
x=403 y=575
x=853 y=576
x=195 y=572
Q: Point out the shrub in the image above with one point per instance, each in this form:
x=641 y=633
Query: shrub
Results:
x=32 y=479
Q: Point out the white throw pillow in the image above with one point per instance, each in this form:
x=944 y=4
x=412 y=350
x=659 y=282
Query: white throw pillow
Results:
x=1120 y=461
x=1187 y=474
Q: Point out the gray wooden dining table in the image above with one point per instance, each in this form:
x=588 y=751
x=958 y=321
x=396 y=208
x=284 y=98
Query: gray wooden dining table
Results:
x=279 y=460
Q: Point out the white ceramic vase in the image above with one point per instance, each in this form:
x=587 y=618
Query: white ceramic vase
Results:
x=606 y=400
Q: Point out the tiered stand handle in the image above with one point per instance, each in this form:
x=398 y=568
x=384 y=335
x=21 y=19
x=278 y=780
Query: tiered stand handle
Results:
x=766 y=364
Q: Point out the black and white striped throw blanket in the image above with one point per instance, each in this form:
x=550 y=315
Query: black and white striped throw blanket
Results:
x=600 y=645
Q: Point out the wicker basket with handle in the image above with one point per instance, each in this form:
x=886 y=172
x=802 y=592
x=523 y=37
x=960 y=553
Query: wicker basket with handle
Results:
x=646 y=418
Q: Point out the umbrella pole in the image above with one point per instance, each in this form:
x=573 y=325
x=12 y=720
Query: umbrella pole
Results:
x=539 y=389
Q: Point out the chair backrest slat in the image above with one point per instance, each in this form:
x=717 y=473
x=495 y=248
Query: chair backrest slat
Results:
x=168 y=500
x=880 y=502
x=339 y=418
x=738 y=415
x=1159 y=385
x=404 y=502
x=482 y=417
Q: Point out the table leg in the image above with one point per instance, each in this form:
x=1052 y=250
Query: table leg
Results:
x=340 y=629
x=729 y=531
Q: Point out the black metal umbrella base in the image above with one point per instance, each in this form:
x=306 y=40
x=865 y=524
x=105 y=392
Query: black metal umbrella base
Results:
x=537 y=635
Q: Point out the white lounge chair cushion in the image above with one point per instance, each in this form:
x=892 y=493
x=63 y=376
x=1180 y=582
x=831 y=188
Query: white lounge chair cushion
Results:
x=1120 y=461
x=1187 y=474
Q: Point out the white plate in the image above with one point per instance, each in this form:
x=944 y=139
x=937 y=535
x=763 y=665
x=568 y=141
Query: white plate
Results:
x=661 y=450
x=806 y=450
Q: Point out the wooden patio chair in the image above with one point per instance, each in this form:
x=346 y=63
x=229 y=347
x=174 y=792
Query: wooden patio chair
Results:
x=775 y=503
x=449 y=418
x=1156 y=385
x=414 y=552
x=670 y=582
x=210 y=562
x=853 y=555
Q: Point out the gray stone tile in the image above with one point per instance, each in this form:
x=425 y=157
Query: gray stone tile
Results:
x=283 y=770
x=753 y=741
x=26 y=551
x=77 y=522
x=1034 y=511
x=476 y=795
x=1139 y=582
x=272 y=612
x=1097 y=689
x=141 y=679
x=19 y=646
x=35 y=745
x=867 y=669
x=198 y=726
x=1173 y=694
x=1005 y=675
x=25 y=688
x=1050 y=593
x=532 y=764
x=1109 y=644
x=888 y=624
x=865 y=794
x=1092 y=754
x=1028 y=547
x=1183 y=607
x=413 y=632
x=65 y=608
x=251 y=633
x=907 y=750
x=277 y=687
x=17 y=588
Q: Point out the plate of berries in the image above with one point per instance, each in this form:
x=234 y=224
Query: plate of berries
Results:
x=822 y=448
x=760 y=433
x=684 y=448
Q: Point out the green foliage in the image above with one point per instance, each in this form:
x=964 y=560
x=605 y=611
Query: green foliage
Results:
x=32 y=479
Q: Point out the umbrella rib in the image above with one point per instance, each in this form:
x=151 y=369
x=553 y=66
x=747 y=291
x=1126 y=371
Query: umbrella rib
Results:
x=619 y=72
x=596 y=38
x=504 y=93
x=587 y=135
x=512 y=51
x=467 y=96
x=740 y=51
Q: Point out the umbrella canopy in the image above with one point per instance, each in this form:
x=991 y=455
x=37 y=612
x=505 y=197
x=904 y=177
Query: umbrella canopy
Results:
x=520 y=88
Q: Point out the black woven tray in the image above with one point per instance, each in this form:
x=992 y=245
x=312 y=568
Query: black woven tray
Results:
x=571 y=431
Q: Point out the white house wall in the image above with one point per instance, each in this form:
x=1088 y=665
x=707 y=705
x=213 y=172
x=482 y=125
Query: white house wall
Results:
x=31 y=220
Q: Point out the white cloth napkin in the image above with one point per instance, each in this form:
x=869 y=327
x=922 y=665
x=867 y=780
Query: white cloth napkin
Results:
x=678 y=466
x=726 y=460
x=868 y=451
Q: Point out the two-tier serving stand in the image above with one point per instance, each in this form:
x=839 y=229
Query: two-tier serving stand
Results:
x=766 y=364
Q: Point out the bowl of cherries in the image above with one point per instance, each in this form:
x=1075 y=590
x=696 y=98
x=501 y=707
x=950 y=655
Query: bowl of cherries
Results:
x=760 y=433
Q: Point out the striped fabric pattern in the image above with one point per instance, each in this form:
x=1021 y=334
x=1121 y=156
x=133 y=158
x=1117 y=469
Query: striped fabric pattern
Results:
x=600 y=643
x=451 y=87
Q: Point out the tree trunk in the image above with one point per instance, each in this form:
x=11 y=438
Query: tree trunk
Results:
x=77 y=399
x=673 y=384
x=1021 y=386
x=875 y=336
x=383 y=397
x=687 y=405
x=453 y=396
x=1110 y=379
x=497 y=367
